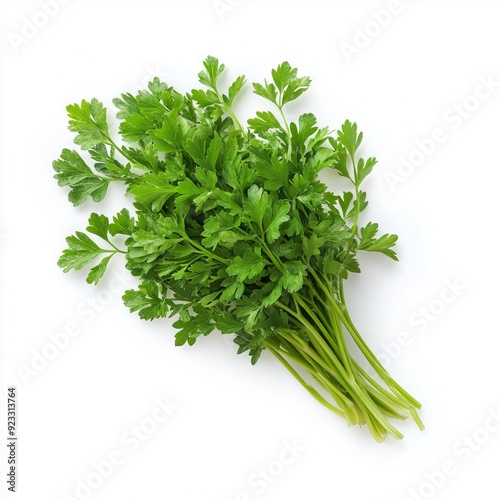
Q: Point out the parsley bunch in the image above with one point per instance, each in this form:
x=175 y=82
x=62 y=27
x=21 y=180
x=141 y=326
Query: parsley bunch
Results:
x=234 y=231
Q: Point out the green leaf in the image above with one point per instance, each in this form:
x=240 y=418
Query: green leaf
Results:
x=183 y=336
x=295 y=89
x=98 y=225
x=210 y=300
x=227 y=323
x=192 y=326
x=364 y=168
x=80 y=252
x=256 y=205
x=71 y=168
x=255 y=354
x=72 y=171
x=94 y=187
x=351 y=265
x=267 y=91
x=368 y=235
x=279 y=216
x=218 y=230
x=249 y=266
x=307 y=128
x=332 y=266
x=235 y=89
x=265 y=121
x=127 y=106
x=276 y=173
x=292 y=279
x=283 y=75
x=360 y=202
x=189 y=191
x=148 y=300
x=97 y=272
x=214 y=151
x=196 y=147
x=348 y=136
x=250 y=313
x=341 y=165
x=154 y=190
x=312 y=245
x=383 y=244
x=316 y=142
x=232 y=292
x=212 y=72
x=89 y=120
x=273 y=296
x=122 y=223
x=169 y=137
x=345 y=202
x=205 y=98
x=286 y=87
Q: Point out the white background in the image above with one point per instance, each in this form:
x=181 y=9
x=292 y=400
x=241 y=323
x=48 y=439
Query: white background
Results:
x=232 y=419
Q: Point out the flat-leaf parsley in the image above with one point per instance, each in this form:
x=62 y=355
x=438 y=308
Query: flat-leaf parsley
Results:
x=234 y=231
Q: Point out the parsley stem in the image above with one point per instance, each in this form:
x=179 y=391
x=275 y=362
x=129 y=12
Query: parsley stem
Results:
x=288 y=131
x=356 y=218
x=352 y=378
x=228 y=109
x=120 y=150
x=203 y=250
x=308 y=387
x=381 y=371
x=274 y=259
x=235 y=119
x=373 y=387
x=373 y=415
x=117 y=250
x=324 y=379
x=348 y=373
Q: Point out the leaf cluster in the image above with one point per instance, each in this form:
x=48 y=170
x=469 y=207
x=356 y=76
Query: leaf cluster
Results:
x=230 y=224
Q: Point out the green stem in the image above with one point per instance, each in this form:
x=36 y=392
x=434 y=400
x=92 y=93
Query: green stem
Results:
x=229 y=110
x=116 y=248
x=395 y=405
x=381 y=371
x=309 y=388
x=367 y=406
x=288 y=131
x=275 y=260
x=205 y=251
x=322 y=377
x=235 y=119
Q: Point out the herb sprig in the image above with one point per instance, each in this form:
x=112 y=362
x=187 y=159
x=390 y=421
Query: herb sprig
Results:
x=234 y=231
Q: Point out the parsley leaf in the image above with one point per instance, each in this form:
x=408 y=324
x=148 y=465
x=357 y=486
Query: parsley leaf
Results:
x=89 y=121
x=72 y=171
x=383 y=244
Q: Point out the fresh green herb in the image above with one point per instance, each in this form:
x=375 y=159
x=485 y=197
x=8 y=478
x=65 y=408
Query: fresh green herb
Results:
x=234 y=231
